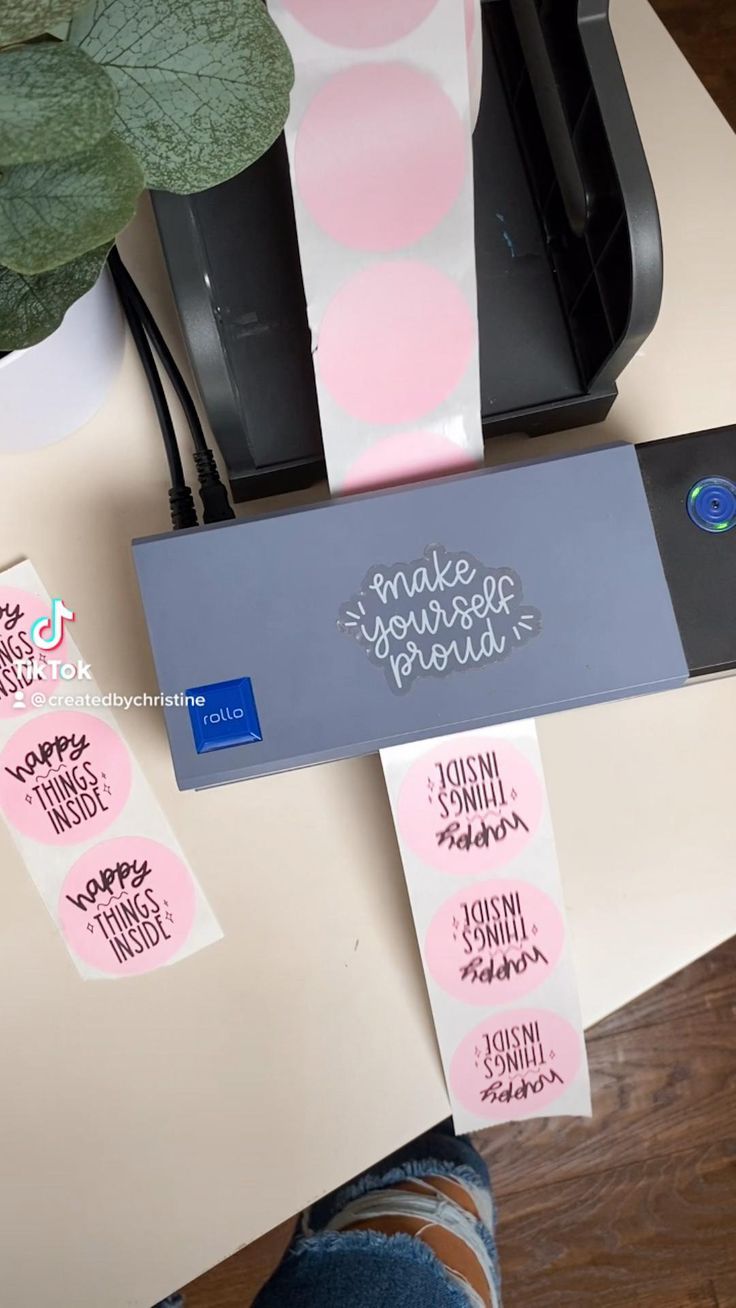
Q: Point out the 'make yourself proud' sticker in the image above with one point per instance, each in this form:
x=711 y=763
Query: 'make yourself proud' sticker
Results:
x=445 y=612
x=64 y=778
x=469 y=806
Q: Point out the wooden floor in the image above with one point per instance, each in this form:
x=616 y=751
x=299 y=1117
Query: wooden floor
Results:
x=636 y=1209
x=705 y=31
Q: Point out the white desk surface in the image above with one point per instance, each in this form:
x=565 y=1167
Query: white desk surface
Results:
x=149 y=1128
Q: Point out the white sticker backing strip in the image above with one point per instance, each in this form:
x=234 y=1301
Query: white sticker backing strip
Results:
x=98 y=847
x=477 y=845
x=474 y=34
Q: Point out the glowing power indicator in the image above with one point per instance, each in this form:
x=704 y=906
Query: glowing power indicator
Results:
x=711 y=504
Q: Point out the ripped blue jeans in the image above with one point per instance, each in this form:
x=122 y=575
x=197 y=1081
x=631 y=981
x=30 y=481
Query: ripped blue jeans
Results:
x=332 y=1265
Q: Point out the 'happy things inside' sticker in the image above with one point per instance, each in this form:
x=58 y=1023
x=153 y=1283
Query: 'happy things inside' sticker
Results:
x=468 y=806
x=127 y=906
x=64 y=778
x=22 y=664
x=495 y=942
x=514 y=1064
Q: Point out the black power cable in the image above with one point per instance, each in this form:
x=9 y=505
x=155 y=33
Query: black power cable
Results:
x=181 y=502
x=216 y=506
x=164 y=353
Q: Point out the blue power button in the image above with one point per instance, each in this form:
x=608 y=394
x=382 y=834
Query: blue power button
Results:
x=226 y=717
x=711 y=504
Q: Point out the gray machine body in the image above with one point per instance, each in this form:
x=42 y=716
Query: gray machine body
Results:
x=402 y=615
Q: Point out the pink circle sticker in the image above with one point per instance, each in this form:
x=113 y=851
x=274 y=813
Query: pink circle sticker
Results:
x=494 y=942
x=361 y=163
x=127 y=905
x=360 y=26
x=515 y=1064
x=395 y=341
x=24 y=668
x=64 y=778
x=409 y=456
x=470 y=805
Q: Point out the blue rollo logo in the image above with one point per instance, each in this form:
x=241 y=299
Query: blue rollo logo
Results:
x=224 y=715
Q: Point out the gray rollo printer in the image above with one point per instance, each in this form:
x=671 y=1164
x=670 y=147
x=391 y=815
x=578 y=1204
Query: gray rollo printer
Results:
x=323 y=633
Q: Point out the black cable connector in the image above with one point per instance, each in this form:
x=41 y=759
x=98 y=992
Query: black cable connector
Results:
x=181 y=507
x=216 y=506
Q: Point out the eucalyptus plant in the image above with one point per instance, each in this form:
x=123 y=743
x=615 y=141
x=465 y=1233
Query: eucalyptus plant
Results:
x=100 y=100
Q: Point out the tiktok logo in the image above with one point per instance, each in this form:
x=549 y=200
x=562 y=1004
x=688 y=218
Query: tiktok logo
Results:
x=48 y=633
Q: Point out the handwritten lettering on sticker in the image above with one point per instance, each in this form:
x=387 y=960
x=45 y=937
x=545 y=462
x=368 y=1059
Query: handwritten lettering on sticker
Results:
x=444 y=612
x=127 y=906
x=511 y=1066
x=64 y=777
x=495 y=942
x=469 y=804
x=516 y=1063
x=22 y=663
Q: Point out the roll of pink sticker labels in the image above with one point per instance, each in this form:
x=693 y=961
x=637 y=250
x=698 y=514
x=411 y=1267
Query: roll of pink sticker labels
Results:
x=64 y=778
x=474 y=806
x=514 y=1064
x=495 y=942
x=410 y=456
x=470 y=805
x=127 y=905
x=361 y=164
x=380 y=151
x=395 y=343
x=360 y=26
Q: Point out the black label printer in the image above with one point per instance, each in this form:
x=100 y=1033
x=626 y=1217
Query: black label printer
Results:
x=569 y=275
x=568 y=251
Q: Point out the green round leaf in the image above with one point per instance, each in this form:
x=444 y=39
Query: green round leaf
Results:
x=20 y=19
x=53 y=212
x=203 y=84
x=32 y=307
x=54 y=101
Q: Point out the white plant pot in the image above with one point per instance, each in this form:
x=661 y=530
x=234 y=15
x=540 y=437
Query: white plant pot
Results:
x=51 y=389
